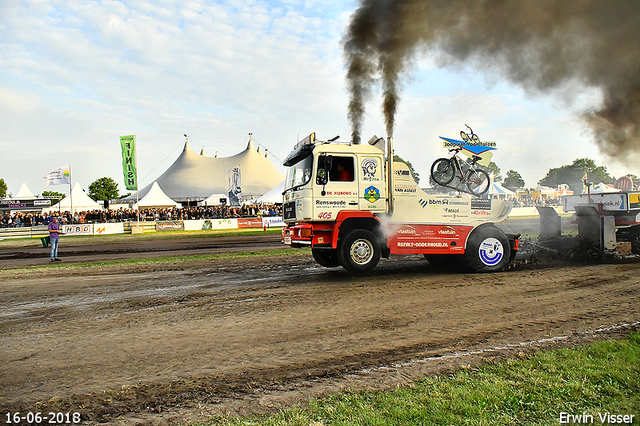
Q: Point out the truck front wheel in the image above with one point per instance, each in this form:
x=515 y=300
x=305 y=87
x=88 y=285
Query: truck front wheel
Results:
x=359 y=251
x=487 y=250
x=326 y=258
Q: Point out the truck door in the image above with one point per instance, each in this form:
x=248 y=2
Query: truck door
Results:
x=372 y=184
x=341 y=189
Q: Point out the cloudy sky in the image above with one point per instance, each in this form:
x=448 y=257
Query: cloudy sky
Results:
x=76 y=75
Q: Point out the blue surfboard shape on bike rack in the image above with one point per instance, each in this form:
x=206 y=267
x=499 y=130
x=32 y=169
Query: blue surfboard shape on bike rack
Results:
x=475 y=149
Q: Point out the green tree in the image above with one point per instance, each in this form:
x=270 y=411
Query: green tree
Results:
x=493 y=167
x=572 y=174
x=104 y=188
x=3 y=188
x=55 y=196
x=415 y=174
x=513 y=180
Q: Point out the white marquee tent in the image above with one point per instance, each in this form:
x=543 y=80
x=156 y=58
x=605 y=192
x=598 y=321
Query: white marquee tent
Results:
x=497 y=189
x=602 y=188
x=81 y=202
x=24 y=193
x=156 y=198
x=214 y=200
x=273 y=196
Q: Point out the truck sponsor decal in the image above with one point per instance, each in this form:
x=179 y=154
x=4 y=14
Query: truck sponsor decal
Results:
x=401 y=190
x=331 y=203
x=341 y=193
x=369 y=169
x=491 y=251
x=442 y=202
x=429 y=238
x=480 y=204
x=372 y=194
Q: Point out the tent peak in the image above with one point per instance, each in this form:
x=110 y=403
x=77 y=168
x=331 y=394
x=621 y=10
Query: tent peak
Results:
x=250 y=144
x=24 y=192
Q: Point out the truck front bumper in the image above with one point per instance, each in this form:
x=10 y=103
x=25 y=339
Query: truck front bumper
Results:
x=308 y=235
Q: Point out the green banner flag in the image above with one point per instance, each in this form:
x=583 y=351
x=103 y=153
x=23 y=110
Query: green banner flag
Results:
x=128 y=144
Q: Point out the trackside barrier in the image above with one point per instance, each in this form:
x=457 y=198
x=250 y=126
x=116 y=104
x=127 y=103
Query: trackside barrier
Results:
x=156 y=226
x=26 y=232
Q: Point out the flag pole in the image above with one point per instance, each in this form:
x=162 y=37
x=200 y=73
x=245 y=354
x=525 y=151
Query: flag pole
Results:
x=135 y=154
x=70 y=191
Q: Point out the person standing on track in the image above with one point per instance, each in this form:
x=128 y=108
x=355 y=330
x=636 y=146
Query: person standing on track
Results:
x=54 y=237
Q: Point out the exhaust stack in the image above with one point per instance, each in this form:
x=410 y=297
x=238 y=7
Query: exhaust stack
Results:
x=390 y=187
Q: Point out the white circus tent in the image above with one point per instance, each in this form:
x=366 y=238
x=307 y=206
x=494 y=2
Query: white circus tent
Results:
x=195 y=177
x=156 y=198
x=81 y=202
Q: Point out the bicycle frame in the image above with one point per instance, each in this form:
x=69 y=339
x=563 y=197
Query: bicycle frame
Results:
x=464 y=177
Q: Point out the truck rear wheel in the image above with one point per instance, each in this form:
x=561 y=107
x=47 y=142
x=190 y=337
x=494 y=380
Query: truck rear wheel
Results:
x=326 y=258
x=359 y=251
x=487 y=250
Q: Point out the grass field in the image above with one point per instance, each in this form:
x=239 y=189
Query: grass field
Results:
x=590 y=382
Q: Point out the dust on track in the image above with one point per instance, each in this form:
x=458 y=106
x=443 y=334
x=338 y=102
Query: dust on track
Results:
x=178 y=342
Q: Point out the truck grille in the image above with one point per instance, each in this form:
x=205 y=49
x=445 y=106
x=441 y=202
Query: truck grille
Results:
x=289 y=210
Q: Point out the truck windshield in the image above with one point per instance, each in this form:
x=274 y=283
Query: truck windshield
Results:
x=299 y=174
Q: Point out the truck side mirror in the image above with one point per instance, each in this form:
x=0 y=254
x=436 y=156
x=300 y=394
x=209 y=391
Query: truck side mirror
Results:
x=324 y=165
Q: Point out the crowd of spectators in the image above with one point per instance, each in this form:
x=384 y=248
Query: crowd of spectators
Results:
x=26 y=219
x=543 y=202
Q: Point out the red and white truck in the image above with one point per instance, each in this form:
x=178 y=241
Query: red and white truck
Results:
x=352 y=204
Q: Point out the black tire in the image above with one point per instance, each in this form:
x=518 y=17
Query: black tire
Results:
x=487 y=250
x=464 y=136
x=478 y=182
x=359 y=251
x=442 y=171
x=326 y=258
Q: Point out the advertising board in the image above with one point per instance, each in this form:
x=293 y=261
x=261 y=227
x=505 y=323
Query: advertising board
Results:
x=610 y=202
x=78 y=229
x=170 y=225
x=108 y=228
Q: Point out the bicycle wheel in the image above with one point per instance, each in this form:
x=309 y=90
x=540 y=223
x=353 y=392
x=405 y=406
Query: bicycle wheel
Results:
x=478 y=182
x=475 y=138
x=442 y=171
x=464 y=136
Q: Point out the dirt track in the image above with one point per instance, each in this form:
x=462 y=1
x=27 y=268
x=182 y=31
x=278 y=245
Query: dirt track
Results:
x=182 y=341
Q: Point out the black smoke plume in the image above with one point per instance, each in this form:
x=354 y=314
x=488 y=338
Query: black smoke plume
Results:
x=547 y=46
